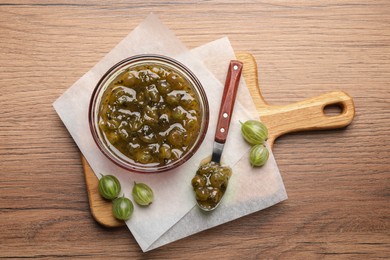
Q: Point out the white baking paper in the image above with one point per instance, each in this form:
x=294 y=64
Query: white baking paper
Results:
x=173 y=214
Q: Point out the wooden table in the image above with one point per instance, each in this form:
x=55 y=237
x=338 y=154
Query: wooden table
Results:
x=337 y=180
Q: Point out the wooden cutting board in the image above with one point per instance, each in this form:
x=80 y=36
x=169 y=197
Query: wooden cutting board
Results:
x=301 y=116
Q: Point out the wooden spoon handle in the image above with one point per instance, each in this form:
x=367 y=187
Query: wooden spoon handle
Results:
x=228 y=98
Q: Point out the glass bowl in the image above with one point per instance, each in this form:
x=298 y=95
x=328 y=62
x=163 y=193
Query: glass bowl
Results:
x=104 y=88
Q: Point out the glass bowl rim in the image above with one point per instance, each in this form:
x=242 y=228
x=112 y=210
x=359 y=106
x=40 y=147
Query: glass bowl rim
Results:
x=95 y=102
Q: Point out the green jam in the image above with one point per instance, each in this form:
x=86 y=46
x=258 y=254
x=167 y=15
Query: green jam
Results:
x=150 y=114
x=210 y=183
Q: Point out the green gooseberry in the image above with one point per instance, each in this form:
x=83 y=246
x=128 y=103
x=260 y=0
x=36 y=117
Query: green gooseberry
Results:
x=109 y=187
x=122 y=208
x=142 y=194
x=258 y=155
x=254 y=132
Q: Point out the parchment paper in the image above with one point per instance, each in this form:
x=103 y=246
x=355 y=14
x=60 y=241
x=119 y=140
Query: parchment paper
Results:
x=173 y=214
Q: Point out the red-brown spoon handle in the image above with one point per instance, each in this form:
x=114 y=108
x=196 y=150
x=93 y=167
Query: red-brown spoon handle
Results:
x=228 y=98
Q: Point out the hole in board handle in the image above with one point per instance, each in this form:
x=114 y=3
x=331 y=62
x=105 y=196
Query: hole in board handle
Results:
x=334 y=109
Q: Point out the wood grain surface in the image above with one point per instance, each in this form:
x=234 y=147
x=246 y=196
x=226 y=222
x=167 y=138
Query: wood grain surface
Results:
x=337 y=180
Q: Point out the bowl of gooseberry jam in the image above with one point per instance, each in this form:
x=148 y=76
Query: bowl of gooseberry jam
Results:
x=148 y=114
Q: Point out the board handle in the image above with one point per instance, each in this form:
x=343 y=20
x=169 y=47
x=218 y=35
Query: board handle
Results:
x=305 y=115
x=309 y=114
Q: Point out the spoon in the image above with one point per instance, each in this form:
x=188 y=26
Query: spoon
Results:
x=211 y=179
